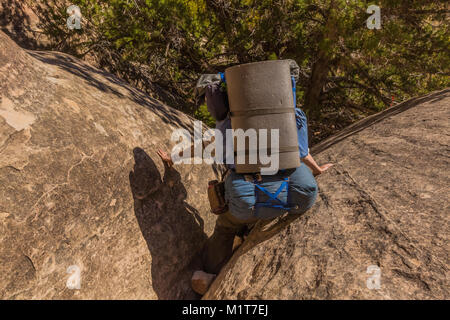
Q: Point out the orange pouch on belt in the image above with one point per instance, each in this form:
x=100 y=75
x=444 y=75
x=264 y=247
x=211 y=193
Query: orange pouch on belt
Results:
x=216 y=196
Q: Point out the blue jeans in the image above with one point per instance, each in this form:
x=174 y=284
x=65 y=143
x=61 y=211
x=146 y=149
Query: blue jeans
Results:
x=242 y=195
x=305 y=189
x=218 y=248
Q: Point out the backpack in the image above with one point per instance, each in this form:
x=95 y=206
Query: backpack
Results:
x=211 y=87
x=217 y=101
x=265 y=197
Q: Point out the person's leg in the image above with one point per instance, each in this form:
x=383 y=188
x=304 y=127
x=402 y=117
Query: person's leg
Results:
x=305 y=186
x=218 y=248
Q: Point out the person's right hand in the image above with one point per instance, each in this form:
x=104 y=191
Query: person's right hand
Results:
x=323 y=168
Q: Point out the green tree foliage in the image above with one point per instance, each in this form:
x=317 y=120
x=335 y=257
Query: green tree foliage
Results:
x=347 y=70
x=203 y=115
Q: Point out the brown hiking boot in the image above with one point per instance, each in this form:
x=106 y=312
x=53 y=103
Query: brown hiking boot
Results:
x=237 y=242
x=201 y=281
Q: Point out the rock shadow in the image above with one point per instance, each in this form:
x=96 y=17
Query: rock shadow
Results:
x=107 y=82
x=172 y=228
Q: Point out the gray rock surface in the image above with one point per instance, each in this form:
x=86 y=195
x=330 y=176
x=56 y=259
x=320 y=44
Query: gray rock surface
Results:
x=384 y=203
x=72 y=139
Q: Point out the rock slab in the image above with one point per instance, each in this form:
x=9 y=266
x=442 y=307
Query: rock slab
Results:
x=380 y=227
x=83 y=194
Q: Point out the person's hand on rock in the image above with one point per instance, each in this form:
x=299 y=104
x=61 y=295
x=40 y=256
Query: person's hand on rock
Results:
x=165 y=157
x=322 y=169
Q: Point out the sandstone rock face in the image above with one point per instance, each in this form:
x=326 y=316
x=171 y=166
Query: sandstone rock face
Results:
x=384 y=204
x=76 y=144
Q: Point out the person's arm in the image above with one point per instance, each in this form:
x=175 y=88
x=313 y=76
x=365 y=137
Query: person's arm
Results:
x=305 y=156
x=315 y=168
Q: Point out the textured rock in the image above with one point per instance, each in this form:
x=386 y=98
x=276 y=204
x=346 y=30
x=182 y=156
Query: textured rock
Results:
x=384 y=203
x=72 y=138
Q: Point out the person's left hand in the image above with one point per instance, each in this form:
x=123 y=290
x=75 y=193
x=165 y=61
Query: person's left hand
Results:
x=165 y=157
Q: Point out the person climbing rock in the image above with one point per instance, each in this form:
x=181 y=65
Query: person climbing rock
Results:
x=251 y=197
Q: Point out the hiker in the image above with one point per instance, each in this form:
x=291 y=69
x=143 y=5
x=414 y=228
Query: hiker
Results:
x=236 y=220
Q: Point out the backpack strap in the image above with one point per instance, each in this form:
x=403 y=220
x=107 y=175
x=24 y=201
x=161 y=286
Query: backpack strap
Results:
x=294 y=90
x=222 y=77
x=274 y=201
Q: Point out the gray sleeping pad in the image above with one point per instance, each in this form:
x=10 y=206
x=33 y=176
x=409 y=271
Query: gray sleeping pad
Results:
x=260 y=97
